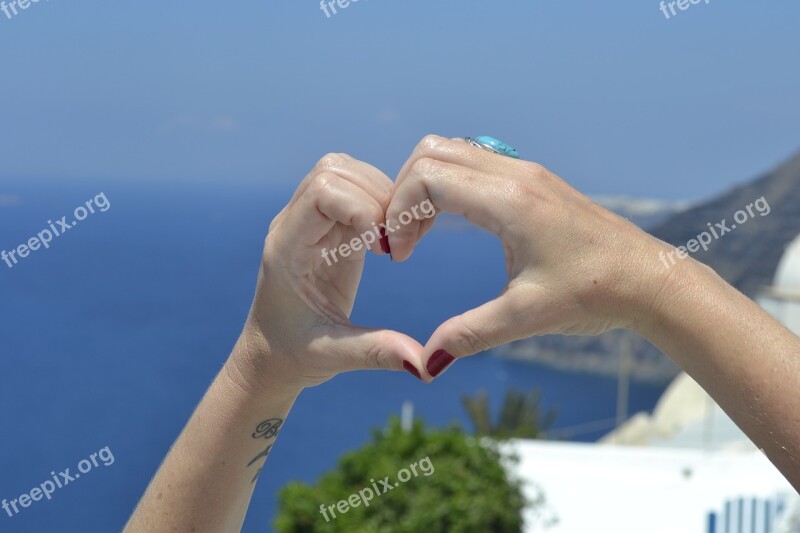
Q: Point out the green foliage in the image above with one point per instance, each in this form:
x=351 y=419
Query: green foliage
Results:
x=466 y=489
x=520 y=416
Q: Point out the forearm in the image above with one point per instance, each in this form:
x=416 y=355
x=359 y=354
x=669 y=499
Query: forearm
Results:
x=207 y=479
x=297 y=335
x=746 y=360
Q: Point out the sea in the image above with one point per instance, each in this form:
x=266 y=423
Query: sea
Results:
x=109 y=338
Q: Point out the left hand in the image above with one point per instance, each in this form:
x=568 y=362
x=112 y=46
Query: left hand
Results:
x=298 y=333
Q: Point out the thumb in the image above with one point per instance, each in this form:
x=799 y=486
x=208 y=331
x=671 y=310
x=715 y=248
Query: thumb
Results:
x=357 y=348
x=512 y=316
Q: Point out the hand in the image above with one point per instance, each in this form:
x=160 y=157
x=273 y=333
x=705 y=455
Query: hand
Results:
x=298 y=333
x=573 y=266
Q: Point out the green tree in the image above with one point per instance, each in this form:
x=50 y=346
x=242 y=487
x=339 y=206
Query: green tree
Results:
x=465 y=489
x=521 y=415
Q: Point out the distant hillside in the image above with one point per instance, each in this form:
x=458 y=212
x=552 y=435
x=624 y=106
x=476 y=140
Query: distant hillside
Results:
x=746 y=257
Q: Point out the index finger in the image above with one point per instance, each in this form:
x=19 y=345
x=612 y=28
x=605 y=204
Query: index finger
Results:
x=455 y=151
x=461 y=179
x=482 y=198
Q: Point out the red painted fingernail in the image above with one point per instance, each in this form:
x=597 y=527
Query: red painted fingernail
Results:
x=411 y=369
x=385 y=243
x=438 y=362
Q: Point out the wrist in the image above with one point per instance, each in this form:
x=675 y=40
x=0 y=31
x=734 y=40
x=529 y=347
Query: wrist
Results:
x=256 y=370
x=666 y=290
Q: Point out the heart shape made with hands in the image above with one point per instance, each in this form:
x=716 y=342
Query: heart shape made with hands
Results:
x=314 y=256
x=362 y=210
x=316 y=247
x=391 y=342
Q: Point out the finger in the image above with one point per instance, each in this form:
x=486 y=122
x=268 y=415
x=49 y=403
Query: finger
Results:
x=355 y=348
x=361 y=174
x=411 y=224
x=482 y=198
x=458 y=152
x=330 y=199
x=518 y=313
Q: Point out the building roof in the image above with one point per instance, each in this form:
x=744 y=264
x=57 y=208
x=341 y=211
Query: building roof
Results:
x=589 y=487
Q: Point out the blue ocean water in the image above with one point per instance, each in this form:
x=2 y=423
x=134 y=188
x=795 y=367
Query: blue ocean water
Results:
x=111 y=336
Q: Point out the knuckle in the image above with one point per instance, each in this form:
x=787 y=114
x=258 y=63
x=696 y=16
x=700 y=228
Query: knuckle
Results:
x=430 y=143
x=276 y=221
x=536 y=170
x=470 y=341
x=377 y=358
x=323 y=183
x=331 y=161
x=425 y=166
x=272 y=252
x=535 y=182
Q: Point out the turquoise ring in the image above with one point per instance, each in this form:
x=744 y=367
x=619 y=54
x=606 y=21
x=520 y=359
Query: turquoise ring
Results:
x=493 y=145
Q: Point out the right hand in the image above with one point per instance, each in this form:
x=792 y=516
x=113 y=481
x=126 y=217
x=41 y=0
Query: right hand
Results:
x=573 y=266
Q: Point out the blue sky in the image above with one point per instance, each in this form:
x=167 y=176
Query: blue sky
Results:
x=611 y=95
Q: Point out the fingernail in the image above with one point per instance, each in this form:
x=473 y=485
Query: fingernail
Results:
x=385 y=243
x=438 y=362
x=411 y=369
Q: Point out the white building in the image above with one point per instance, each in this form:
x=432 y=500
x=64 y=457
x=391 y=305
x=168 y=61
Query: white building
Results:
x=782 y=300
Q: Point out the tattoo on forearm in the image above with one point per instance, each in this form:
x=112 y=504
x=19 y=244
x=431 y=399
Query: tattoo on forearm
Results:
x=263 y=454
x=268 y=429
